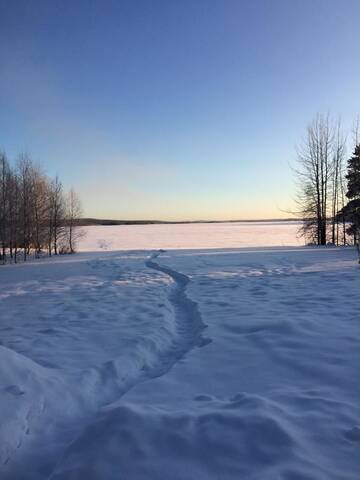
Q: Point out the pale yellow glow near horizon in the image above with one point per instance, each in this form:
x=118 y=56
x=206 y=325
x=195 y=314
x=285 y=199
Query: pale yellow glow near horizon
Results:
x=121 y=201
x=188 y=213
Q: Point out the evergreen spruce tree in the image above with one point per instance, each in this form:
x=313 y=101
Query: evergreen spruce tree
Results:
x=351 y=211
x=353 y=175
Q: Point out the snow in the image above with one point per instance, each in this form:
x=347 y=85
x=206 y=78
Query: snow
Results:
x=188 y=236
x=220 y=363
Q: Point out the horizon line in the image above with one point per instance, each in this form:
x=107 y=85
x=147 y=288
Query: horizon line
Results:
x=105 y=221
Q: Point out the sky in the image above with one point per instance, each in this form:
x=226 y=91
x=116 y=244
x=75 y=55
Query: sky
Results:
x=174 y=109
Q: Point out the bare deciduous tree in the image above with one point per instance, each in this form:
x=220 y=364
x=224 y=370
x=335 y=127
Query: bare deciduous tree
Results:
x=336 y=179
x=4 y=203
x=57 y=202
x=314 y=175
x=33 y=211
x=73 y=215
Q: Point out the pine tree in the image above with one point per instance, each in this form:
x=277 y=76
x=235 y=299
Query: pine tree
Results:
x=353 y=175
x=351 y=212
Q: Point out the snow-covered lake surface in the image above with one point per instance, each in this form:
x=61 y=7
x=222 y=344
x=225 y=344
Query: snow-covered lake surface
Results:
x=187 y=236
x=197 y=364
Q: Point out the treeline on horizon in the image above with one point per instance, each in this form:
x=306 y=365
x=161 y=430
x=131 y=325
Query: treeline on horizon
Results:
x=36 y=215
x=86 y=222
x=328 y=180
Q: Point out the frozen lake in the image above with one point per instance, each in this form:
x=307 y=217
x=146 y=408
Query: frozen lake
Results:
x=190 y=236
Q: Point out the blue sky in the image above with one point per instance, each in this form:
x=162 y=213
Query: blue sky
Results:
x=187 y=109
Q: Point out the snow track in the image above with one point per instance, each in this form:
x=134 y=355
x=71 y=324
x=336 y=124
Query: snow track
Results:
x=156 y=353
x=187 y=316
x=151 y=359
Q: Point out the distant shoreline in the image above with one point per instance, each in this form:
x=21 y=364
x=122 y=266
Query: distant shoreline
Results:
x=87 y=222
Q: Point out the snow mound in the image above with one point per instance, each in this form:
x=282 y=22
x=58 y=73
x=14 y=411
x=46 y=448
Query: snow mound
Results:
x=214 y=439
x=21 y=399
x=244 y=436
x=31 y=397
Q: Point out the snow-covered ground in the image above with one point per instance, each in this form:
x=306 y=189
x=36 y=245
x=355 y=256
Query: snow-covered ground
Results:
x=225 y=363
